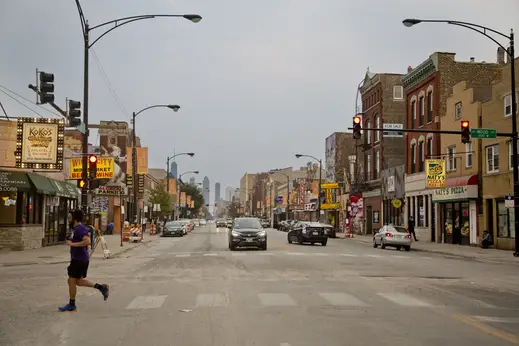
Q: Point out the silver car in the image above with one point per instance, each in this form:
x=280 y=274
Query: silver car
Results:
x=396 y=236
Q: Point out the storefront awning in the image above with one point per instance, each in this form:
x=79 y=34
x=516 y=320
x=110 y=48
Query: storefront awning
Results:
x=64 y=189
x=14 y=181
x=42 y=184
x=457 y=189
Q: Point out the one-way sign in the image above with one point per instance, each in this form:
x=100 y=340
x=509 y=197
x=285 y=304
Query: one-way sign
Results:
x=391 y=130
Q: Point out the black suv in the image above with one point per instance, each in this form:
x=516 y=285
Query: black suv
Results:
x=307 y=232
x=247 y=232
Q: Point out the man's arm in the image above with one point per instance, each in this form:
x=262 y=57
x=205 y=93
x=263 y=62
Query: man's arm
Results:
x=82 y=243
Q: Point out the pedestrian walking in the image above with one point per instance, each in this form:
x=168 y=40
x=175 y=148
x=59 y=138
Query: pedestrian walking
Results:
x=410 y=227
x=79 y=241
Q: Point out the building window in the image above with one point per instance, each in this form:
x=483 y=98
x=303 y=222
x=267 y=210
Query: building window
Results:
x=451 y=160
x=422 y=110
x=468 y=155
x=368 y=132
x=421 y=156
x=368 y=167
x=421 y=212
x=508 y=104
x=398 y=92
x=429 y=147
x=457 y=111
x=413 y=158
x=429 y=106
x=413 y=112
x=493 y=159
x=377 y=164
x=505 y=221
x=511 y=153
x=377 y=133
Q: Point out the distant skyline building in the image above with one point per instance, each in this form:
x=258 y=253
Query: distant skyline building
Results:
x=173 y=170
x=217 y=192
x=228 y=193
x=192 y=181
x=205 y=192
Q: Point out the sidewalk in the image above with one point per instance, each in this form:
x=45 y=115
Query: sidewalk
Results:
x=460 y=251
x=60 y=253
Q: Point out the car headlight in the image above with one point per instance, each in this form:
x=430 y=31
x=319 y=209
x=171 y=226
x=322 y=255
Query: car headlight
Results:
x=235 y=234
x=262 y=234
x=304 y=231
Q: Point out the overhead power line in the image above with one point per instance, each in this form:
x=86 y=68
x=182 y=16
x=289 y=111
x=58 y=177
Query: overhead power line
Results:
x=6 y=89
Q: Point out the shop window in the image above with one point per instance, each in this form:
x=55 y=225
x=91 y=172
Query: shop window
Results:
x=426 y=211
x=493 y=159
x=505 y=221
x=468 y=155
x=8 y=208
x=421 y=212
x=451 y=159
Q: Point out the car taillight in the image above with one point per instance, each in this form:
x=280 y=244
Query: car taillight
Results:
x=389 y=235
x=408 y=236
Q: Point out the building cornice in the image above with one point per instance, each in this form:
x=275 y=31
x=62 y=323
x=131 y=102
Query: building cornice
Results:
x=419 y=74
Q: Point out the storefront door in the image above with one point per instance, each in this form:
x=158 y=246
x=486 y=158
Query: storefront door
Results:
x=456 y=228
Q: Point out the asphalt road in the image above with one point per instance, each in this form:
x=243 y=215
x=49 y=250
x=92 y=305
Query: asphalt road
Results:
x=193 y=291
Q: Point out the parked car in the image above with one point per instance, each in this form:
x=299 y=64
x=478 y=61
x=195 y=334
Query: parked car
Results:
x=396 y=236
x=197 y=222
x=186 y=226
x=247 y=232
x=174 y=228
x=229 y=223
x=221 y=223
x=265 y=223
x=330 y=231
x=203 y=222
x=307 y=232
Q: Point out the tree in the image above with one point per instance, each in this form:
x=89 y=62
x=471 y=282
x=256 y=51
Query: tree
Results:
x=160 y=196
x=233 y=212
x=196 y=196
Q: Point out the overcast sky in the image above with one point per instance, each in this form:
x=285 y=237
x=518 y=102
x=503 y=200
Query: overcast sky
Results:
x=257 y=81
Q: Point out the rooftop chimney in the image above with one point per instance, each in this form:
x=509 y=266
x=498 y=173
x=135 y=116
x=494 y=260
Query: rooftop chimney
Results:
x=409 y=68
x=500 y=56
x=472 y=59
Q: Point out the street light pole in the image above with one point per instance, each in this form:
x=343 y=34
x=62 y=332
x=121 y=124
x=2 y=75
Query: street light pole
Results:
x=167 y=167
x=178 y=190
x=511 y=53
x=85 y=27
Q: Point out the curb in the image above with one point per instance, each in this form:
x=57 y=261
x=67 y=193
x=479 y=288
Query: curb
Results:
x=128 y=249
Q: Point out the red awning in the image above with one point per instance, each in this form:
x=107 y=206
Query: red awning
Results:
x=462 y=181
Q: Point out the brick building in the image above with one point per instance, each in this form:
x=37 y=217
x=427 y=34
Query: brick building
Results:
x=382 y=103
x=426 y=89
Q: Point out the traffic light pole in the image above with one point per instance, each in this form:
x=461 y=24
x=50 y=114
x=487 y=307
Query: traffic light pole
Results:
x=84 y=192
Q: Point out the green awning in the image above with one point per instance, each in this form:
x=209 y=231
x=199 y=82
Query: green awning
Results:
x=42 y=184
x=61 y=188
x=72 y=190
x=11 y=181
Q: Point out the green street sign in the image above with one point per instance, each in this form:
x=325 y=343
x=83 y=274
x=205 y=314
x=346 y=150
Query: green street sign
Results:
x=483 y=133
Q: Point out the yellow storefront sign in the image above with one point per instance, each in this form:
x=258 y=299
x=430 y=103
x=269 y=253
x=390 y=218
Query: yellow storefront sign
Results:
x=329 y=206
x=330 y=186
x=435 y=173
x=105 y=168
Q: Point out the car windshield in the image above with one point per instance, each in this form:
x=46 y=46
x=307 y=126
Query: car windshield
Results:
x=396 y=229
x=174 y=224
x=247 y=223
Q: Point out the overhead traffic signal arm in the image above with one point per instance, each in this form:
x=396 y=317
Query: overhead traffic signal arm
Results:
x=448 y=132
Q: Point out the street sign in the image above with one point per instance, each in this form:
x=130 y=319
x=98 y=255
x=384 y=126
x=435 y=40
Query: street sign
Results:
x=391 y=130
x=483 y=133
x=509 y=202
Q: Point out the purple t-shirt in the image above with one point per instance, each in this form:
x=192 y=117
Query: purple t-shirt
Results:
x=79 y=253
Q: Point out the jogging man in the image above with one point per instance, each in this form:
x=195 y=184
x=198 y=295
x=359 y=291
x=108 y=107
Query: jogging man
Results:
x=79 y=260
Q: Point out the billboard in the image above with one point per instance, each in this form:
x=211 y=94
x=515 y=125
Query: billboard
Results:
x=39 y=143
x=172 y=186
x=142 y=160
x=435 y=173
x=105 y=168
x=331 y=201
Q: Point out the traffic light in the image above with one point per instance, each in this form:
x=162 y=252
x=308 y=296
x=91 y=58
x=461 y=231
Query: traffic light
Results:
x=46 y=87
x=465 y=131
x=92 y=166
x=74 y=113
x=356 y=127
x=81 y=183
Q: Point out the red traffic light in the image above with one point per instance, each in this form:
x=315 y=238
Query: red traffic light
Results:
x=465 y=124
x=92 y=159
x=356 y=120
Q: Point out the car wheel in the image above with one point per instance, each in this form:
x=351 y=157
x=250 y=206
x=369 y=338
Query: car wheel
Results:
x=312 y=243
x=398 y=248
x=407 y=248
x=289 y=240
x=382 y=245
x=375 y=245
x=232 y=247
x=264 y=247
x=324 y=243
x=300 y=240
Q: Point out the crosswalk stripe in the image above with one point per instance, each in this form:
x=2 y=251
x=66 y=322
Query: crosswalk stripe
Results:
x=348 y=255
x=401 y=257
x=497 y=319
x=374 y=256
x=403 y=299
x=211 y=300
x=320 y=254
x=183 y=255
x=295 y=253
x=265 y=254
x=341 y=299
x=210 y=254
x=146 y=302
x=276 y=299
x=239 y=254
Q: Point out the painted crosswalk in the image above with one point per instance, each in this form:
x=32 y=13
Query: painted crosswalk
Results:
x=280 y=299
x=293 y=254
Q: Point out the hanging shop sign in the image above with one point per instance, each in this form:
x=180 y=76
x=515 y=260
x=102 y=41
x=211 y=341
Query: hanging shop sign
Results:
x=39 y=143
x=435 y=173
x=331 y=191
x=396 y=203
x=105 y=168
x=109 y=191
x=140 y=183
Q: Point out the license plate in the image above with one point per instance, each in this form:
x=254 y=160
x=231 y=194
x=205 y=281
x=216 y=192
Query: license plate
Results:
x=249 y=240
x=315 y=233
x=400 y=236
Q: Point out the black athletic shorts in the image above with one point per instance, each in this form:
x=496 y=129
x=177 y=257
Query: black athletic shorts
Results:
x=77 y=269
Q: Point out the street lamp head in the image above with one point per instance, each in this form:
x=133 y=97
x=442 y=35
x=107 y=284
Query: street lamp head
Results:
x=174 y=107
x=298 y=155
x=191 y=154
x=195 y=18
x=409 y=22
x=196 y=172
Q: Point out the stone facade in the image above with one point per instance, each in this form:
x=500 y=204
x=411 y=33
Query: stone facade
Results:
x=21 y=237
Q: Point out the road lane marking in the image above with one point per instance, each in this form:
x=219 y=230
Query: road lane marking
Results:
x=295 y=253
x=238 y=254
x=491 y=319
x=265 y=254
x=373 y=256
x=341 y=299
x=210 y=254
x=146 y=302
x=397 y=256
x=348 y=255
x=426 y=258
x=487 y=329
x=211 y=300
x=183 y=255
x=403 y=299
x=276 y=299
x=320 y=254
